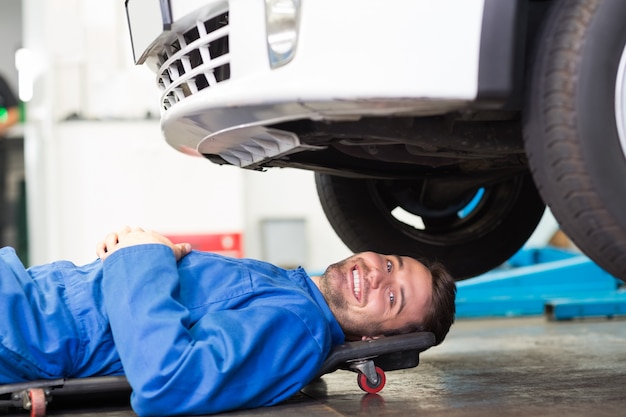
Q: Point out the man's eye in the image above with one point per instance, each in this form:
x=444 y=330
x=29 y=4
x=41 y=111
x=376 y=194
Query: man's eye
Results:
x=392 y=299
x=389 y=265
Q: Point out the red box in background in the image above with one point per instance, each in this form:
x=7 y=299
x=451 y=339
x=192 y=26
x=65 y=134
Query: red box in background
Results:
x=228 y=244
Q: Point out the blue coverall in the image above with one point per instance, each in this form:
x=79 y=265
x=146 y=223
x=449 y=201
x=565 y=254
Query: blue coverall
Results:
x=204 y=335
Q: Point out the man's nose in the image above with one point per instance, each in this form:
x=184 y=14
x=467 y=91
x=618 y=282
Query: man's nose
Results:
x=377 y=277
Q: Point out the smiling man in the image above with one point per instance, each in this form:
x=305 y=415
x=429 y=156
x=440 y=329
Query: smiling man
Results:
x=199 y=333
x=372 y=295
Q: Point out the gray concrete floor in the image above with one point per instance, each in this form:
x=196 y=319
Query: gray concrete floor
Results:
x=504 y=367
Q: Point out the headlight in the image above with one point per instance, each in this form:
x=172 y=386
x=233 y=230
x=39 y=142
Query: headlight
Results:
x=281 y=21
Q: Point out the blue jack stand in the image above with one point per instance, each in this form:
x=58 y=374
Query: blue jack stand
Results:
x=562 y=284
x=568 y=309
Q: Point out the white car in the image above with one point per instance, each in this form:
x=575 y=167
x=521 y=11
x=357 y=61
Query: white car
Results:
x=430 y=124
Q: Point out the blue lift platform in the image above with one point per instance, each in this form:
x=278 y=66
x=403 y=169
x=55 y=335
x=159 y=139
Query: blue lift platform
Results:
x=561 y=284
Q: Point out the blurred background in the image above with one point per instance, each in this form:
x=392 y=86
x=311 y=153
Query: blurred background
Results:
x=88 y=156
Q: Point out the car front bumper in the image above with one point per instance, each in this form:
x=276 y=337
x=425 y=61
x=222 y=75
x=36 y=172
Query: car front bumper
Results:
x=352 y=59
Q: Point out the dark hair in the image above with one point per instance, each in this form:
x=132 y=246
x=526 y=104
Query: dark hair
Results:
x=440 y=315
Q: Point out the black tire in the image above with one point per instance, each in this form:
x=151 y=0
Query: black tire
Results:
x=502 y=221
x=571 y=127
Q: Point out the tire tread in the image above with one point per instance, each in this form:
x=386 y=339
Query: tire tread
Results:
x=562 y=177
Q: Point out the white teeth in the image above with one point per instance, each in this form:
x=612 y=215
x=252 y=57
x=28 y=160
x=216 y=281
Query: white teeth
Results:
x=357 y=282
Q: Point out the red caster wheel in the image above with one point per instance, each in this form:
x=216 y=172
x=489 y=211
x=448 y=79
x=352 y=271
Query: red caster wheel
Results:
x=37 y=398
x=370 y=388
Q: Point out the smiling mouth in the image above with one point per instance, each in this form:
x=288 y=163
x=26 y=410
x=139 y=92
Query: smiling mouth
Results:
x=356 y=281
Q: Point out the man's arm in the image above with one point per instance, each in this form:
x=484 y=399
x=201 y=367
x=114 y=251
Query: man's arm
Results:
x=242 y=358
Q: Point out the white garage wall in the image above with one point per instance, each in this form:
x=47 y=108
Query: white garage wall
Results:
x=103 y=175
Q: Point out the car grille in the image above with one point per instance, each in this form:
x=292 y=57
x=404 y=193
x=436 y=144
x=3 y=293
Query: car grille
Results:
x=197 y=59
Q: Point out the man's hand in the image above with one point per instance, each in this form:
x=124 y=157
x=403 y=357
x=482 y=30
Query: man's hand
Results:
x=131 y=236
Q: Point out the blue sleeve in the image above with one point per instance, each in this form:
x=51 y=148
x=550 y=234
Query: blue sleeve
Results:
x=244 y=358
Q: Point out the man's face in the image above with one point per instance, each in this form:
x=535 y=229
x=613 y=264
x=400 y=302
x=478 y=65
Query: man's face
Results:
x=371 y=294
